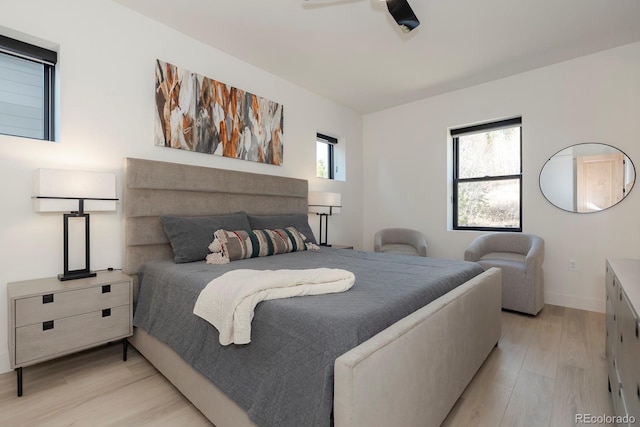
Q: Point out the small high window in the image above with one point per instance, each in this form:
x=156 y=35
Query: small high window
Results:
x=26 y=89
x=325 y=156
x=487 y=176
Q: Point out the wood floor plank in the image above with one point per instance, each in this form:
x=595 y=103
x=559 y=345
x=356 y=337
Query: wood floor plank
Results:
x=576 y=338
x=577 y=390
x=542 y=356
x=97 y=388
x=147 y=400
x=531 y=401
x=482 y=407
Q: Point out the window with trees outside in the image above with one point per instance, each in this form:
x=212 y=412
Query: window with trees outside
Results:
x=487 y=176
x=324 y=156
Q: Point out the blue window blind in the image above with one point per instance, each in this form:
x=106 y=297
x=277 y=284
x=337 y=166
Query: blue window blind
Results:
x=26 y=89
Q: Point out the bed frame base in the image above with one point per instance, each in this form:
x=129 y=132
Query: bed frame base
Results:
x=410 y=374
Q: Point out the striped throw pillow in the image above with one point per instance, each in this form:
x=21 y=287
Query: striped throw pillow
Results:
x=240 y=244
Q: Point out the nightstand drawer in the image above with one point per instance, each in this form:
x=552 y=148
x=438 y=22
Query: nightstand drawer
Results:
x=66 y=335
x=58 y=305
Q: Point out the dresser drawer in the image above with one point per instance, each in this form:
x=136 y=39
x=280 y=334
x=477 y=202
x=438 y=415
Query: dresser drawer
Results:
x=610 y=285
x=69 y=334
x=611 y=329
x=43 y=308
x=616 y=392
x=629 y=357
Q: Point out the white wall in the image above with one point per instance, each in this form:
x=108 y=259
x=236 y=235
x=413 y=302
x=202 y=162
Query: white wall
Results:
x=595 y=98
x=106 y=80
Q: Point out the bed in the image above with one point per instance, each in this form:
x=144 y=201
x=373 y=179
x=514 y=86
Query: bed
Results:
x=410 y=373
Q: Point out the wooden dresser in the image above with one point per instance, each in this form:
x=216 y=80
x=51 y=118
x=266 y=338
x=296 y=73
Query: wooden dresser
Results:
x=623 y=341
x=49 y=318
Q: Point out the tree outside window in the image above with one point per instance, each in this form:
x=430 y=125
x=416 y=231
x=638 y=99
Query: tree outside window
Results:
x=324 y=156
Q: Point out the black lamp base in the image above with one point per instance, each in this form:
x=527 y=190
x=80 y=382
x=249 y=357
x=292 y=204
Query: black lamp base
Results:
x=72 y=275
x=324 y=218
x=82 y=272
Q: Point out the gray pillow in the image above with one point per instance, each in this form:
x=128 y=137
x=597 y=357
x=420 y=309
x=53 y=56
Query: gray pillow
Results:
x=299 y=221
x=190 y=237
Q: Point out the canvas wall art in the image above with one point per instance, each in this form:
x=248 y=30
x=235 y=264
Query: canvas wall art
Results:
x=200 y=114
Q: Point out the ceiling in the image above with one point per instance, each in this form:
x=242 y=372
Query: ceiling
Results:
x=351 y=51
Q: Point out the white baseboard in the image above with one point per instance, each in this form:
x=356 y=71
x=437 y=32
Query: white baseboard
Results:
x=5 y=365
x=573 y=301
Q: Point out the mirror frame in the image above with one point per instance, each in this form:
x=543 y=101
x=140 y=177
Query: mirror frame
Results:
x=626 y=157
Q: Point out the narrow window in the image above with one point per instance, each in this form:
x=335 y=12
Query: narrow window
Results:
x=26 y=89
x=487 y=176
x=324 y=156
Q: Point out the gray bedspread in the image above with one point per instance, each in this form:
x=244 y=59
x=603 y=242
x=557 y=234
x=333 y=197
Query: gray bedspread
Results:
x=284 y=377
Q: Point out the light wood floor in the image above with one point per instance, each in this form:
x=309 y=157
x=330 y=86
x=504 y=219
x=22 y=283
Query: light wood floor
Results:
x=545 y=370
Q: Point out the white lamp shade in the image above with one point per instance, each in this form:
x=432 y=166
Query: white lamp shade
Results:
x=74 y=185
x=325 y=202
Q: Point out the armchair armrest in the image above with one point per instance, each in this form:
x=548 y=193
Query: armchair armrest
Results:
x=377 y=242
x=535 y=256
x=479 y=247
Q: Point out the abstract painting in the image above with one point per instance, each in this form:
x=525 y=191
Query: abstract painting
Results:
x=200 y=114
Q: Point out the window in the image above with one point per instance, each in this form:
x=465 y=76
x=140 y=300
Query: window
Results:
x=325 y=156
x=26 y=89
x=487 y=176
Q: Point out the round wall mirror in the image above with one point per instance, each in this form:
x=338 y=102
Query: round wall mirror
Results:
x=587 y=177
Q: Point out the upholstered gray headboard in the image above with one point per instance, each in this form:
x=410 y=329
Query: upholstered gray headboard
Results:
x=152 y=188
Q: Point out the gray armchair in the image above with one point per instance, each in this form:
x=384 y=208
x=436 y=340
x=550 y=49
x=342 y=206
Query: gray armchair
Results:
x=520 y=256
x=400 y=240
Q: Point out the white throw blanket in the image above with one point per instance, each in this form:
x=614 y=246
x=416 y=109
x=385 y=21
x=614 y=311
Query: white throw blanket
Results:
x=228 y=301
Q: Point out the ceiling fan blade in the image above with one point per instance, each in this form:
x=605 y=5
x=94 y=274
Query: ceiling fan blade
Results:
x=403 y=14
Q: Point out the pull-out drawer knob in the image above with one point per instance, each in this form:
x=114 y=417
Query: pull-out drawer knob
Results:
x=47 y=325
x=106 y=289
x=46 y=299
x=106 y=312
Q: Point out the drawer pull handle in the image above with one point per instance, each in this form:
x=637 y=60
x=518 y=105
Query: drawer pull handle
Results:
x=106 y=312
x=637 y=331
x=47 y=325
x=638 y=391
x=46 y=299
x=106 y=289
x=621 y=340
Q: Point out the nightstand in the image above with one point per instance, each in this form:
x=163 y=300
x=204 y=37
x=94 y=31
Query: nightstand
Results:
x=49 y=318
